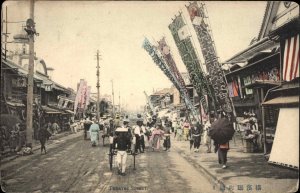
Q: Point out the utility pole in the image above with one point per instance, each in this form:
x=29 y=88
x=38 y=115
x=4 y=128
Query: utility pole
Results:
x=98 y=86
x=113 y=97
x=6 y=34
x=31 y=31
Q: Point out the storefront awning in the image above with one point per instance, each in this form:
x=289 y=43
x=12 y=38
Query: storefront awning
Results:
x=283 y=100
x=252 y=50
x=262 y=83
x=69 y=111
x=15 y=104
x=49 y=110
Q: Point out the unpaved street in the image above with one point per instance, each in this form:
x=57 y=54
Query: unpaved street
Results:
x=74 y=166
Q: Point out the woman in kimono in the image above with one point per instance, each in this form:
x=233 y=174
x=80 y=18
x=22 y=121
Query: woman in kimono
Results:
x=157 y=135
x=94 y=133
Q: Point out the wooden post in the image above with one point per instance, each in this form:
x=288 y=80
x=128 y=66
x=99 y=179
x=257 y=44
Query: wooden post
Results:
x=29 y=129
x=98 y=85
x=263 y=121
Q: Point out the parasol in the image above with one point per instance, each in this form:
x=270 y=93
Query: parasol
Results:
x=221 y=131
x=9 y=120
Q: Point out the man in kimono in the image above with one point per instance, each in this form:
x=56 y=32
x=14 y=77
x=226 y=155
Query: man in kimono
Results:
x=94 y=133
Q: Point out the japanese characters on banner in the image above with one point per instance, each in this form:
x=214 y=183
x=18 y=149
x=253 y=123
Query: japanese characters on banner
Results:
x=165 y=51
x=158 y=61
x=188 y=54
x=201 y=26
x=81 y=96
x=88 y=93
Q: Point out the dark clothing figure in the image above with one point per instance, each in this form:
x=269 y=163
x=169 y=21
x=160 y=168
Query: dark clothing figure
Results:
x=196 y=131
x=43 y=136
x=86 y=126
x=122 y=139
x=138 y=143
x=222 y=153
x=167 y=140
x=222 y=156
x=142 y=145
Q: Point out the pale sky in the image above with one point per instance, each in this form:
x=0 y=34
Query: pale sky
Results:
x=71 y=32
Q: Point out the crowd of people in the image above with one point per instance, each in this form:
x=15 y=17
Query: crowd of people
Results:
x=153 y=134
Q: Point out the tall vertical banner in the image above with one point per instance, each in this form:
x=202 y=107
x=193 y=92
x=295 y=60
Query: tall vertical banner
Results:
x=78 y=96
x=87 y=99
x=83 y=95
x=187 y=52
x=159 y=61
x=201 y=26
x=165 y=51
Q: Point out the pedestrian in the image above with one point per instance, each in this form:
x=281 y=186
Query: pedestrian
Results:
x=222 y=150
x=157 y=134
x=122 y=138
x=86 y=127
x=44 y=135
x=137 y=134
x=206 y=137
x=180 y=131
x=167 y=134
x=186 y=129
x=55 y=127
x=175 y=126
x=196 y=132
x=116 y=121
x=94 y=133
x=14 y=137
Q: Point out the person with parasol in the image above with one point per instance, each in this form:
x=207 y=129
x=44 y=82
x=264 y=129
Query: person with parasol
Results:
x=222 y=132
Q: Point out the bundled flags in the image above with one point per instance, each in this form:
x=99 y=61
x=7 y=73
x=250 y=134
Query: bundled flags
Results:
x=200 y=24
x=168 y=66
x=188 y=54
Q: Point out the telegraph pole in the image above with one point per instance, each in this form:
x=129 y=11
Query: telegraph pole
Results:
x=31 y=31
x=6 y=34
x=113 y=97
x=98 y=85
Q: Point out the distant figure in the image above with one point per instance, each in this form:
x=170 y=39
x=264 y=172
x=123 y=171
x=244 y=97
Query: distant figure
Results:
x=44 y=135
x=157 y=135
x=206 y=137
x=186 y=129
x=94 y=133
x=55 y=128
x=86 y=126
x=167 y=138
x=196 y=132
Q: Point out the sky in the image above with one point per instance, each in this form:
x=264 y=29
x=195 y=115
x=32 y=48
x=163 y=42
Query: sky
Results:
x=71 y=32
